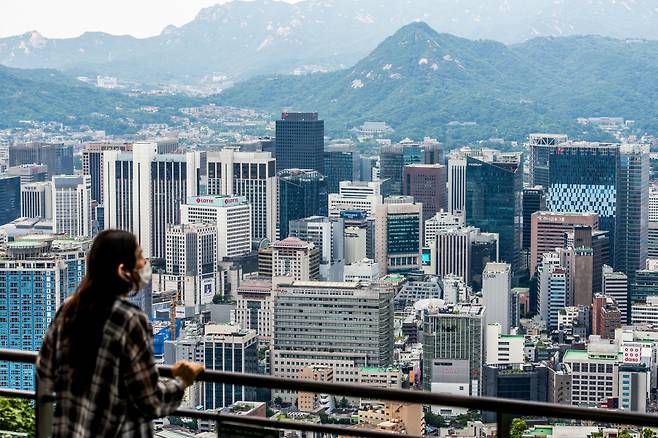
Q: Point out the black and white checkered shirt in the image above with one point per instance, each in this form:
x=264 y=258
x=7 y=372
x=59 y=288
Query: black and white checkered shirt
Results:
x=126 y=392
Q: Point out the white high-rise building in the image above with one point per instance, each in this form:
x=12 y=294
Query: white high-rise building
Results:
x=441 y=221
x=71 y=205
x=552 y=288
x=615 y=285
x=453 y=252
x=457 y=185
x=143 y=191
x=497 y=294
x=645 y=313
x=37 y=200
x=230 y=214
x=192 y=264
x=356 y=195
x=328 y=236
x=248 y=174
x=455 y=290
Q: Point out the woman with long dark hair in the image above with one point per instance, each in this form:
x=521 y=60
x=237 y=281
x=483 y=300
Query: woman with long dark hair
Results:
x=97 y=355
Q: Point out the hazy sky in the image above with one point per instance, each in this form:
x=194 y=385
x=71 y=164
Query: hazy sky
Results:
x=68 y=18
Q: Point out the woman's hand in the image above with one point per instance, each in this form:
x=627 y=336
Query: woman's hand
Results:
x=187 y=371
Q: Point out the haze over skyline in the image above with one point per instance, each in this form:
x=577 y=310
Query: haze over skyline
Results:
x=70 y=18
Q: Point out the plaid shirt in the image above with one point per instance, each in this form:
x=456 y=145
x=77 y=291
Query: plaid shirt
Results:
x=126 y=392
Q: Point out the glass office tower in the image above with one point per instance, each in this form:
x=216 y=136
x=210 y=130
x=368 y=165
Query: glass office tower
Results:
x=494 y=189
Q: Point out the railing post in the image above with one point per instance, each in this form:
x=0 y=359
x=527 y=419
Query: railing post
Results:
x=43 y=407
x=503 y=425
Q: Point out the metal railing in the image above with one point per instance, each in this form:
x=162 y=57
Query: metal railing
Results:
x=505 y=409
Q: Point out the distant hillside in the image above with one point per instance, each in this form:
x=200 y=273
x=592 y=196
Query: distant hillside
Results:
x=48 y=95
x=422 y=82
x=245 y=38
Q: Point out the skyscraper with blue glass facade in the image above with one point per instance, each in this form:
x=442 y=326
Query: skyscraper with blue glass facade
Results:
x=632 y=213
x=36 y=276
x=582 y=178
x=302 y=193
x=10 y=198
x=494 y=187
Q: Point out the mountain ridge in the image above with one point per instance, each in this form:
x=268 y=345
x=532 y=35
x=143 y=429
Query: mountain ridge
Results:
x=241 y=39
x=420 y=81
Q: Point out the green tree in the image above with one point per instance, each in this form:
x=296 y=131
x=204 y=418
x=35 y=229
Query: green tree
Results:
x=17 y=416
x=278 y=401
x=343 y=403
x=435 y=420
x=648 y=433
x=518 y=427
x=625 y=434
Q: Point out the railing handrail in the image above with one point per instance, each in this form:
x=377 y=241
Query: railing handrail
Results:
x=491 y=404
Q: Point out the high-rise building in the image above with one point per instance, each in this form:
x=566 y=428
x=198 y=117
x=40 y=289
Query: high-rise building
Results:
x=71 y=204
x=583 y=238
x=593 y=373
x=549 y=231
x=393 y=158
x=328 y=235
x=539 y=148
x=553 y=288
x=494 y=188
x=631 y=227
x=634 y=379
x=56 y=156
x=341 y=163
x=36 y=276
x=455 y=290
x=606 y=317
x=645 y=312
x=461 y=252
x=229 y=348
x=29 y=173
x=453 y=332
x=516 y=381
x=534 y=200
x=300 y=142
x=398 y=231
x=427 y=184
x=615 y=286
x=583 y=179
x=357 y=195
x=255 y=309
x=248 y=174
x=652 y=232
x=302 y=193
x=457 y=185
x=366 y=167
x=497 y=295
x=192 y=262
x=10 y=198
x=37 y=200
x=296 y=259
x=143 y=191
x=356 y=329
x=440 y=222
x=92 y=164
x=231 y=215
x=645 y=284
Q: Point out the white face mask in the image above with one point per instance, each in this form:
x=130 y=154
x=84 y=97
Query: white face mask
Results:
x=145 y=273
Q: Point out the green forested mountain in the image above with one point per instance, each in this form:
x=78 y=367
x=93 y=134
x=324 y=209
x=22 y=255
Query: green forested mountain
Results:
x=48 y=95
x=425 y=83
